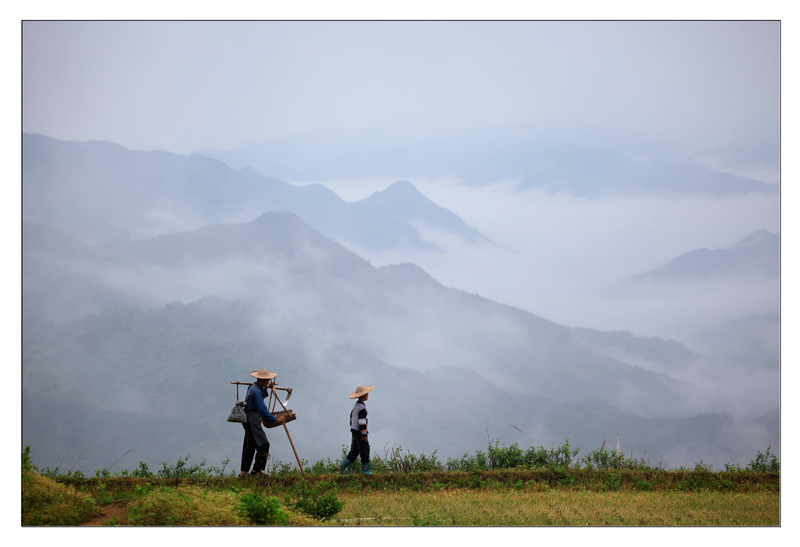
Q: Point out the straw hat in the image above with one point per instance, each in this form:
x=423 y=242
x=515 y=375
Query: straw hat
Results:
x=361 y=391
x=263 y=374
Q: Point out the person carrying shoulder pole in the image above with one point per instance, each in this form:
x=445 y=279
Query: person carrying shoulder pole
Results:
x=359 y=445
x=255 y=440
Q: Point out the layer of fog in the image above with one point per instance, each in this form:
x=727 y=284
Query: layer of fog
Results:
x=560 y=256
x=406 y=335
x=568 y=259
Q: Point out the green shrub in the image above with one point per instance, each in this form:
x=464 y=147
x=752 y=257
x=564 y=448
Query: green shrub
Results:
x=564 y=477
x=320 y=501
x=281 y=468
x=322 y=467
x=261 y=510
x=510 y=457
x=181 y=470
x=764 y=462
x=613 y=482
x=602 y=458
x=505 y=457
x=27 y=463
x=475 y=464
x=395 y=460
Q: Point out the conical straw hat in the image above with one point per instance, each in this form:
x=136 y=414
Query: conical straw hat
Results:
x=263 y=374
x=361 y=391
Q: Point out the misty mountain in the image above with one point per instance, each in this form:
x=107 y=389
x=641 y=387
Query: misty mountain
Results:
x=650 y=352
x=277 y=260
x=752 y=342
x=98 y=191
x=592 y=171
x=757 y=254
x=162 y=325
x=486 y=157
x=157 y=382
x=730 y=341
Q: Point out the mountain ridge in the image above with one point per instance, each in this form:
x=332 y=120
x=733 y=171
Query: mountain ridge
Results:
x=480 y=158
x=756 y=254
x=181 y=315
x=98 y=191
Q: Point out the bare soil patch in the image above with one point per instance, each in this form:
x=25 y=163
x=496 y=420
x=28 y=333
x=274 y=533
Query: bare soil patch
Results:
x=110 y=511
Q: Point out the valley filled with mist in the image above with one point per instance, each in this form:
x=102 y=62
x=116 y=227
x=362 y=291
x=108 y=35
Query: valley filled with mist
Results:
x=530 y=292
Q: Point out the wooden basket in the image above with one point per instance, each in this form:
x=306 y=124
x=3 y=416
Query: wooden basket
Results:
x=289 y=414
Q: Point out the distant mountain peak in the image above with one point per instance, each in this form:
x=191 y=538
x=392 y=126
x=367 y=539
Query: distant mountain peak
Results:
x=403 y=186
x=402 y=190
x=758 y=253
x=99 y=191
x=759 y=237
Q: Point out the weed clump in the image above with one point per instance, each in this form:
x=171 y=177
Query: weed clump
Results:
x=320 y=501
x=395 y=460
x=262 y=511
x=765 y=463
x=184 y=506
x=511 y=457
x=47 y=502
x=430 y=520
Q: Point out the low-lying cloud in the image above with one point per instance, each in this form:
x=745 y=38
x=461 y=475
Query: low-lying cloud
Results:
x=569 y=260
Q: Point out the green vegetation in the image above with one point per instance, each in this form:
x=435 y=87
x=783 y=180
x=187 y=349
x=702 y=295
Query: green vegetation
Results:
x=320 y=501
x=767 y=463
x=503 y=486
x=261 y=510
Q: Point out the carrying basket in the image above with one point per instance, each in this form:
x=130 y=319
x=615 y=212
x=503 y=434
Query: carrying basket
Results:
x=289 y=414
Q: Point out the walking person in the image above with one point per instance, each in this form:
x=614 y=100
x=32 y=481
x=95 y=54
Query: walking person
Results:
x=255 y=439
x=359 y=445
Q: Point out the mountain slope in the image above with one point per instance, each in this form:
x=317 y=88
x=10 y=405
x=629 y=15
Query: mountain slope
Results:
x=404 y=202
x=653 y=353
x=158 y=381
x=594 y=171
x=99 y=191
x=298 y=277
x=757 y=254
x=175 y=318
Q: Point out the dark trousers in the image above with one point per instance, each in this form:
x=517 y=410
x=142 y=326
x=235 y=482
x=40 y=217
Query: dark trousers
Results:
x=358 y=447
x=250 y=448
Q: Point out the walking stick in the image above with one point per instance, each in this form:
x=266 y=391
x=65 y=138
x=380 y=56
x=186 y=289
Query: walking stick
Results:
x=299 y=464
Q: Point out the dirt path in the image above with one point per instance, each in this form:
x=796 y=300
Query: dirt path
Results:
x=110 y=511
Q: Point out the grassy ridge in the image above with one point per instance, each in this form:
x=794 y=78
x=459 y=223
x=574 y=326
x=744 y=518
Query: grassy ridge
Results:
x=406 y=490
x=501 y=498
x=537 y=479
x=489 y=507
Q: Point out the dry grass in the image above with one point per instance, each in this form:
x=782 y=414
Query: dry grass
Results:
x=186 y=506
x=46 y=502
x=559 y=508
x=194 y=506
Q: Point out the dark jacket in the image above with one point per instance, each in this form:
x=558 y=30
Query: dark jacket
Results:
x=255 y=403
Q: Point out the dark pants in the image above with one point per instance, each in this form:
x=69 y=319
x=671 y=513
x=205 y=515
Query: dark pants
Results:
x=249 y=448
x=358 y=446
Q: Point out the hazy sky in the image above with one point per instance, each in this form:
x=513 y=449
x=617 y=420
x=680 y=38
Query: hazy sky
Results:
x=189 y=85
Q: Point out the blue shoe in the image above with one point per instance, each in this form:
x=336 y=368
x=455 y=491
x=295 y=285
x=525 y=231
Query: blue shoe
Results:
x=342 y=467
x=365 y=469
